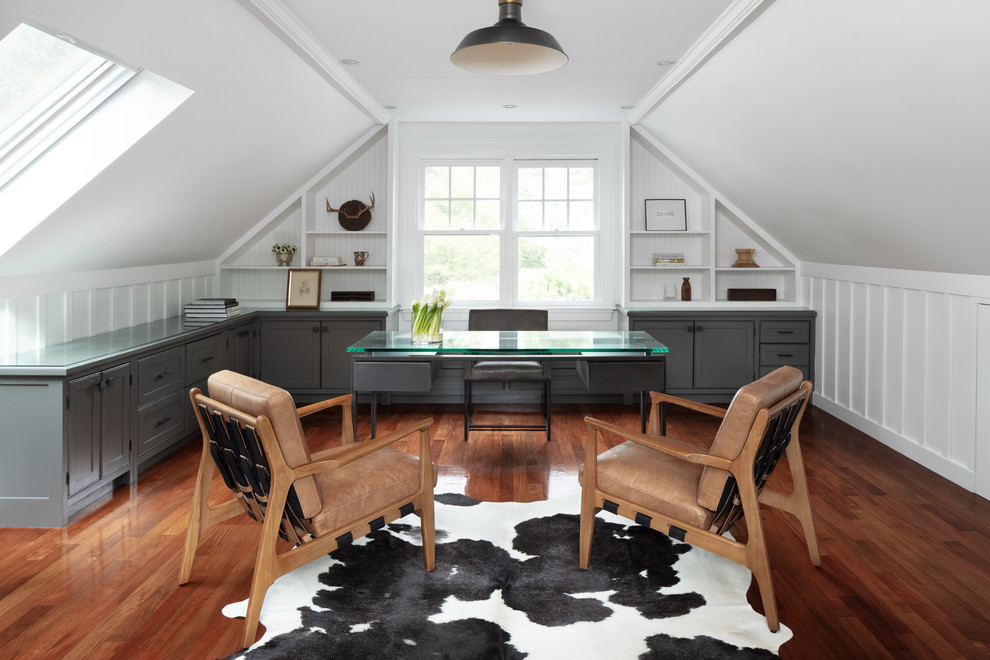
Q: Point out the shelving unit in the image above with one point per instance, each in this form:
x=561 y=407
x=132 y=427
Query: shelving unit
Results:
x=249 y=272
x=713 y=234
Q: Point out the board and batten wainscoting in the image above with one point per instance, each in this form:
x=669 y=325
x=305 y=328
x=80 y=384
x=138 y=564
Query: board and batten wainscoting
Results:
x=897 y=359
x=38 y=310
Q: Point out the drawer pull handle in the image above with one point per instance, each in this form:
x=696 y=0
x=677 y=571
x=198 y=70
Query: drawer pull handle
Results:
x=162 y=374
x=163 y=420
x=785 y=332
x=316 y=328
x=243 y=333
x=207 y=359
x=785 y=354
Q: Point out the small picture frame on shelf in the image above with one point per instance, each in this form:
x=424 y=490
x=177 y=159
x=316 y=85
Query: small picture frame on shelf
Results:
x=303 y=289
x=666 y=215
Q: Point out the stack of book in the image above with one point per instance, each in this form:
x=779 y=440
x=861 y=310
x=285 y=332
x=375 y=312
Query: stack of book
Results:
x=668 y=258
x=210 y=310
x=327 y=261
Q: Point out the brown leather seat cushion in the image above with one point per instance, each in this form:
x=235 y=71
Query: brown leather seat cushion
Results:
x=653 y=480
x=364 y=486
x=256 y=398
x=732 y=434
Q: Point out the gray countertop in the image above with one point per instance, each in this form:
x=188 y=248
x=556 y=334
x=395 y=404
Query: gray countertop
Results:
x=62 y=359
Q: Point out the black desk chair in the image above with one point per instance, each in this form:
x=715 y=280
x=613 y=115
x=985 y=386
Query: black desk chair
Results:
x=506 y=371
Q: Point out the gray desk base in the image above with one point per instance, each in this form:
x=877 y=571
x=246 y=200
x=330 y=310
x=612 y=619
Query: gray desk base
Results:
x=605 y=373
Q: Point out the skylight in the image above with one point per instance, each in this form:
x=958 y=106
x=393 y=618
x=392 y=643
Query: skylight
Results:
x=67 y=111
x=52 y=82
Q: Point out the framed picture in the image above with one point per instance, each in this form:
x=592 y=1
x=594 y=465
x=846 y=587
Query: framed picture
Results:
x=666 y=215
x=303 y=290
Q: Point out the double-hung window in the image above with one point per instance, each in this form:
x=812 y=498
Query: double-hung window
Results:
x=510 y=231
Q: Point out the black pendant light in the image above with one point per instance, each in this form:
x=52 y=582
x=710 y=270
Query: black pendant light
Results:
x=510 y=47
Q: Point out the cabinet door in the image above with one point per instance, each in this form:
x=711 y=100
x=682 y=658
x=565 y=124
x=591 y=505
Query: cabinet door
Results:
x=337 y=336
x=84 y=432
x=678 y=336
x=240 y=350
x=724 y=356
x=290 y=354
x=115 y=419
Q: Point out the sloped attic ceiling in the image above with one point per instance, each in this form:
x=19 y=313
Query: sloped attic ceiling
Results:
x=854 y=132
x=258 y=124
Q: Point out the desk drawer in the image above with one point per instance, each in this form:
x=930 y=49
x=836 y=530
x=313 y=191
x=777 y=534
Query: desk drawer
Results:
x=623 y=377
x=796 y=332
x=161 y=421
x=395 y=376
x=205 y=356
x=775 y=355
x=160 y=374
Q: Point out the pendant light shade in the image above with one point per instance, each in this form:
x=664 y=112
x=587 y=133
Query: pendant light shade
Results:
x=510 y=47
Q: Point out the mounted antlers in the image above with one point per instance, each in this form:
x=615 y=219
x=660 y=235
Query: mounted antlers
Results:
x=352 y=209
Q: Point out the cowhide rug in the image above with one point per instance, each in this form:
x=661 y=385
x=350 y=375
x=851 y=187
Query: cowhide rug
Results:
x=507 y=585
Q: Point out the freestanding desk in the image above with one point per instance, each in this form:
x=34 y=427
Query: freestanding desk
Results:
x=608 y=361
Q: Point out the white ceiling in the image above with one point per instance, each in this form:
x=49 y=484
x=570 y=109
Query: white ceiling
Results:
x=852 y=131
x=404 y=52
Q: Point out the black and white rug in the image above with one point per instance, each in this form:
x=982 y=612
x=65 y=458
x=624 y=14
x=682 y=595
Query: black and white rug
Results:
x=507 y=585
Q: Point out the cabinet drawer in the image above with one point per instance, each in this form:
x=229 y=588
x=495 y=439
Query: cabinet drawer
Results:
x=395 y=376
x=204 y=357
x=775 y=355
x=798 y=332
x=623 y=376
x=160 y=374
x=161 y=421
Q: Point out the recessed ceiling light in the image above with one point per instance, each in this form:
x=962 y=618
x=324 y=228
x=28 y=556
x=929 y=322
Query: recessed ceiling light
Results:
x=666 y=62
x=349 y=62
x=509 y=106
x=628 y=107
x=390 y=107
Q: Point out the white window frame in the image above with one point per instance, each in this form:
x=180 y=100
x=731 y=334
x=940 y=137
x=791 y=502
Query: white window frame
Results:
x=62 y=110
x=508 y=232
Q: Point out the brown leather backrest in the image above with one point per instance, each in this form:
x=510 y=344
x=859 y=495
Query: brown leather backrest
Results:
x=739 y=418
x=256 y=398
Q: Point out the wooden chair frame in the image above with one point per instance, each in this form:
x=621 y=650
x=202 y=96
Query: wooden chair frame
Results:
x=753 y=553
x=270 y=564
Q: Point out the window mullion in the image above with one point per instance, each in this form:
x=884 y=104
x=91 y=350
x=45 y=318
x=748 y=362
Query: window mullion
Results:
x=509 y=257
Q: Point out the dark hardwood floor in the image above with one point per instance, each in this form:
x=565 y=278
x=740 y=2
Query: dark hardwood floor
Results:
x=905 y=553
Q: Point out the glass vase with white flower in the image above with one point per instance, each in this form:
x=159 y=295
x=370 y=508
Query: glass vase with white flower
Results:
x=427 y=317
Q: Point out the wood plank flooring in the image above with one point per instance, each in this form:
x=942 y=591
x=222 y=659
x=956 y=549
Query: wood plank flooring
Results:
x=905 y=554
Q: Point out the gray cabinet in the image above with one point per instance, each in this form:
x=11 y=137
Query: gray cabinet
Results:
x=97 y=417
x=241 y=349
x=335 y=371
x=160 y=415
x=289 y=353
x=708 y=354
x=714 y=353
x=309 y=354
x=86 y=416
x=786 y=343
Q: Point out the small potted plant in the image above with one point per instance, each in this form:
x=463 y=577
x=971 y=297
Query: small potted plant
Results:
x=283 y=253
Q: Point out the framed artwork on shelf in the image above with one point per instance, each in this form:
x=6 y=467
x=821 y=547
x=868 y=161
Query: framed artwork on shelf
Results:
x=666 y=215
x=303 y=289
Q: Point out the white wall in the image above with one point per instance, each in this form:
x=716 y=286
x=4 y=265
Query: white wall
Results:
x=51 y=308
x=896 y=358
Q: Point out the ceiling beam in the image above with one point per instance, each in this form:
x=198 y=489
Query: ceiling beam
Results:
x=732 y=21
x=284 y=25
